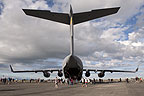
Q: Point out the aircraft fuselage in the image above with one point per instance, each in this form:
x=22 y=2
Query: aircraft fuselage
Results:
x=72 y=67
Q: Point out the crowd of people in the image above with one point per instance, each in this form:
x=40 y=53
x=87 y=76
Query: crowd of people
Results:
x=137 y=80
x=5 y=80
x=57 y=81
x=85 y=81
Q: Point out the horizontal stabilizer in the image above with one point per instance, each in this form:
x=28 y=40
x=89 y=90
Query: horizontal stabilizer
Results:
x=46 y=14
x=94 y=14
x=77 y=17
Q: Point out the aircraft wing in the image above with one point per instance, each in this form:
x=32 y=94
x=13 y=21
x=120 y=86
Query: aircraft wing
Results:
x=46 y=14
x=49 y=70
x=111 y=70
x=86 y=16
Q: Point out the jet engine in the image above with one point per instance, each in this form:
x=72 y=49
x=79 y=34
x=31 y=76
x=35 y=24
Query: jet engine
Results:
x=102 y=74
x=87 y=74
x=60 y=74
x=46 y=74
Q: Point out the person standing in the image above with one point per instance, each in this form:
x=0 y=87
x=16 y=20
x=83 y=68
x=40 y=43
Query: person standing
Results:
x=127 y=80
x=56 y=82
x=86 y=82
x=9 y=80
x=140 y=80
x=4 y=79
x=82 y=81
x=71 y=81
x=120 y=80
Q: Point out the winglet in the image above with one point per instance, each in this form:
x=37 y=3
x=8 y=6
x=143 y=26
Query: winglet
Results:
x=136 y=69
x=11 y=68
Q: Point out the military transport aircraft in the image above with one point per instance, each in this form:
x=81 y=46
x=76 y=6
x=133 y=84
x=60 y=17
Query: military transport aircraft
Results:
x=72 y=65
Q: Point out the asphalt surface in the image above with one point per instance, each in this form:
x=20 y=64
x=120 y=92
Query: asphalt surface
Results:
x=48 y=89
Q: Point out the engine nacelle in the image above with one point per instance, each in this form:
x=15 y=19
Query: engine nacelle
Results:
x=102 y=74
x=60 y=74
x=46 y=74
x=87 y=74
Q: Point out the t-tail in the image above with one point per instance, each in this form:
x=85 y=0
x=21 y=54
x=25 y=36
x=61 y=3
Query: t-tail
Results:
x=71 y=18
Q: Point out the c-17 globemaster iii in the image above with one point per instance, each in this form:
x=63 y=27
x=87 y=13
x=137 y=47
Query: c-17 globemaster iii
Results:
x=72 y=65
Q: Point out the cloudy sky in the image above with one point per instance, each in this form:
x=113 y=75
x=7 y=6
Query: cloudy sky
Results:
x=112 y=42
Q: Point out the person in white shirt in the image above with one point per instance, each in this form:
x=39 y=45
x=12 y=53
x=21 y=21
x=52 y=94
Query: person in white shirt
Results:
x=56 y=82
x=83 y=82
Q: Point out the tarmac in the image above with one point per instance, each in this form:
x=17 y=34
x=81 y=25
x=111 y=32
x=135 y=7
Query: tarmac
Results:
x=48 y=89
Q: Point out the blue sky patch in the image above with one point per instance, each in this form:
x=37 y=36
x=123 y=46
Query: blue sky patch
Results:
x=1 y=7
x=131 y=23
x=142 y=7
x=50 y=3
